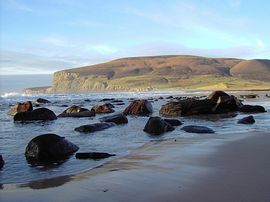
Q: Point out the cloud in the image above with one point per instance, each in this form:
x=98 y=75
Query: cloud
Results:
x=103 y=49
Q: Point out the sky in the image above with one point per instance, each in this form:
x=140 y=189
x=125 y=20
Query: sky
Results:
x=39 y=37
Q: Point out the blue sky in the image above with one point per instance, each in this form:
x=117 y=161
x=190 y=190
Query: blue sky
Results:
x=40 y=36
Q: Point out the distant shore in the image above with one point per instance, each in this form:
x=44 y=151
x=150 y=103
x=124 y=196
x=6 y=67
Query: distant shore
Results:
x=203 y=169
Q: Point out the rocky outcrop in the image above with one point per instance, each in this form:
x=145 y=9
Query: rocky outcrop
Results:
x=139 y=107
x=76 y=111
x=252 y=109
x=117 y=119
x=21 y=107
x=90 y=128
x=102 y=109
x=216 y=103
x=38 y=90
x=157 y=126
x=93 y=155
x=49 y=147
x=40 y=114
x=247 y=120
x=197 y=129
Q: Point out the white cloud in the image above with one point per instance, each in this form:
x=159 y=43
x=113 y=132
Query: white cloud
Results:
x=103 y=49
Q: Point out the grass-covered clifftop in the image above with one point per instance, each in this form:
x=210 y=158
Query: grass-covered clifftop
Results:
x=176 y=72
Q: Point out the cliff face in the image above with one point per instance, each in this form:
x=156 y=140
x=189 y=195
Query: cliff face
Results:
x=158 y=73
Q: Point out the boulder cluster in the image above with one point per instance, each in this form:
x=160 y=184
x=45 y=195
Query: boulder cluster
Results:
x=51 y=147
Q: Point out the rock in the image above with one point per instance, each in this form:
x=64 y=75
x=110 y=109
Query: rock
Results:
x=197 y=129
x=100 y=109
x=110 y=105
x=49 y=147
x=117 y=101
x=2 y=162
x=107 y=99
x=247 y=120
x=252 y=109
x=42 y=101
x=224 y=102
x=21 y=107
x=139 y=107
x=216 y=103
x=89 y=128
x=249 y=96
x=40 y=114
x=76 y=111
x=157 y=126
x=117 y=119
x=169 y=97
x=93 y=155
x=187 y=107
x=173 y=122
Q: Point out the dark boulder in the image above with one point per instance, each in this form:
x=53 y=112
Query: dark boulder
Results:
x=173 y=122
x=117 y=101
x=216 y=103
x=76 y=111
x=157 y=126
x=89 y=128
x=49 y=147
x=197 y=129
x=93 y=155
x=40 y=114
x=2 y=162
x=247 y=120
x=42 y=101
x=139 y=107
x=187 y=107
x=100 y=109
x=117 y=119
x=21 y=107
x=252 y=109
x=224 y=102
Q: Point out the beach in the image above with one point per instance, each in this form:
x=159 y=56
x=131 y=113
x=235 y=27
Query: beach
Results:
x=218 y=169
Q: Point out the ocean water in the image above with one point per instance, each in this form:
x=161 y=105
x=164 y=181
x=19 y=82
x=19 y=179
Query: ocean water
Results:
x=118 y=140
x=14 y=84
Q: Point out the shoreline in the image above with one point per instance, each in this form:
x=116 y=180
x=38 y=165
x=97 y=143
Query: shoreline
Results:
x=165 y=170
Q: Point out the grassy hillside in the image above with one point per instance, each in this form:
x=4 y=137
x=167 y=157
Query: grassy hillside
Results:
x=165 y=73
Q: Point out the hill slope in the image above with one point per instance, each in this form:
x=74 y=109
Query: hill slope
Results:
x=164 y=73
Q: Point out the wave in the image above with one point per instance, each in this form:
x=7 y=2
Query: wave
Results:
x=9 y=94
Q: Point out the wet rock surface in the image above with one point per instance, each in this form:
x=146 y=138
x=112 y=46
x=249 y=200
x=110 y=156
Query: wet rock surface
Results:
x=93 y=155
x=49 y=147
x=247 y=120
x=21 y=107
x=197 y=129
x=76 y=111
x=40 y=114
x=100 y=109
x=116 y=118
x=157 y=126
x=2 y=162
x=90 y=128
x=139 y=107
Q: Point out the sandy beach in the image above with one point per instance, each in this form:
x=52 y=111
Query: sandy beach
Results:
x=201 y=169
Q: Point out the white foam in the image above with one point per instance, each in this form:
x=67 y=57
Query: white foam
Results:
x=10 y=94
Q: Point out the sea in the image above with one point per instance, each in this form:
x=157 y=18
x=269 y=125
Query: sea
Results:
x=119 y=140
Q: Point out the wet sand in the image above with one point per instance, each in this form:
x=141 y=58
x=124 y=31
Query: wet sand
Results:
x=235 y=168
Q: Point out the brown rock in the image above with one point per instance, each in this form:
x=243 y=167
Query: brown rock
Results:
x=76 y=111
x=139 y=107
x=40 y=114
x=21 y=107
x=100 y=109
